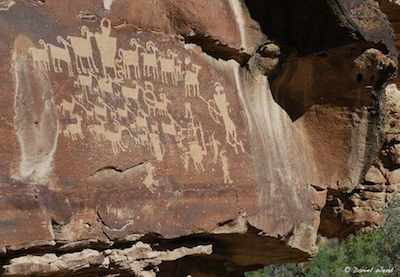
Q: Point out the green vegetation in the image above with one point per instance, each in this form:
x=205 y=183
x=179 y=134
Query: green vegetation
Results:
x=363 y=255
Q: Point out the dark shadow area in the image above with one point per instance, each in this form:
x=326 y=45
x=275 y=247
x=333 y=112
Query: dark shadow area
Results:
x=306 y=25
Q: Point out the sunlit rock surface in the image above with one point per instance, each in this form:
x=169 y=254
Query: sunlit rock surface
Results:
x=201 y=138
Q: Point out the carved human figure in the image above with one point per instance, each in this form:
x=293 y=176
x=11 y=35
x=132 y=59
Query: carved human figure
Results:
x=155 y=141
x=61 y=54
x=192 y=85
x=150 y=62
x=225 y=167
x=215 y=144
x=188 y=110
x=179 y=74
x=223 y=108
x=149 y=181
x=107 y=46
x=130 y=60
x=40 y=56
x=197 y=154
x=82 y=47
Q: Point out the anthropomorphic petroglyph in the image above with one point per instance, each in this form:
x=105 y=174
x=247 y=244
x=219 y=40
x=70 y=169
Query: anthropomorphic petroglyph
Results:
x=82 y=47
x=188 y=110
x=107 y=46
x=149 y=181
x=40 y=56
x=168 y=67
x=156 y=144
x=130 y=100
x=225 y=167
x=130 y=60
x=215 y=145
x=150 y=62
x=192 y=85
x=179 y=74
x=197 y=154
x=223 y=108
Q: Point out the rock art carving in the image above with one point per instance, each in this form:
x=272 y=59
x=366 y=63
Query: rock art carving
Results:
x=192 y=86
x=130 y=60
x=169 y=70
x=107 y=46
x=225 y=167
x=230 y=128
x=61 y=54
x=40 y=56
x=150 y=61
x=83 y=51
x=128 y=102
x=149 y=181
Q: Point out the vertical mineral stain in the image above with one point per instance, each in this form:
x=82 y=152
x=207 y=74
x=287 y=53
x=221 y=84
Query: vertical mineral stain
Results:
x=155 y=137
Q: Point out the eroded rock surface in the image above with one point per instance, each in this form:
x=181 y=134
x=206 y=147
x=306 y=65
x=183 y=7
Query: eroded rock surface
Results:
x=201 y=138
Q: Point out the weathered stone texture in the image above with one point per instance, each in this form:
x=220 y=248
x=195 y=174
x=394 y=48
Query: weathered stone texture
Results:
x=155 y=137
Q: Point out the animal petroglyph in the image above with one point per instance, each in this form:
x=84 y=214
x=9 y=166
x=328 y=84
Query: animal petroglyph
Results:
x=144 y=95
x=61 y=54
x=192 y=85
x=74 y=130
x=169 y=69
x=150 y=61
x=40 y=56
x=130 y=60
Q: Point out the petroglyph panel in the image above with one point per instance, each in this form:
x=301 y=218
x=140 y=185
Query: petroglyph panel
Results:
x=143 y=91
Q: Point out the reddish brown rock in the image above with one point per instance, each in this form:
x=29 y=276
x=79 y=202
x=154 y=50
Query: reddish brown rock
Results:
x=139 y=135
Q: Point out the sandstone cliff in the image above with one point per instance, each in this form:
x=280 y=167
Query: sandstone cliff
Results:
x=191 y=137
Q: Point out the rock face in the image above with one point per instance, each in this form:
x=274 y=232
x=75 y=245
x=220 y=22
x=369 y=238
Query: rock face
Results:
x=201 y=138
